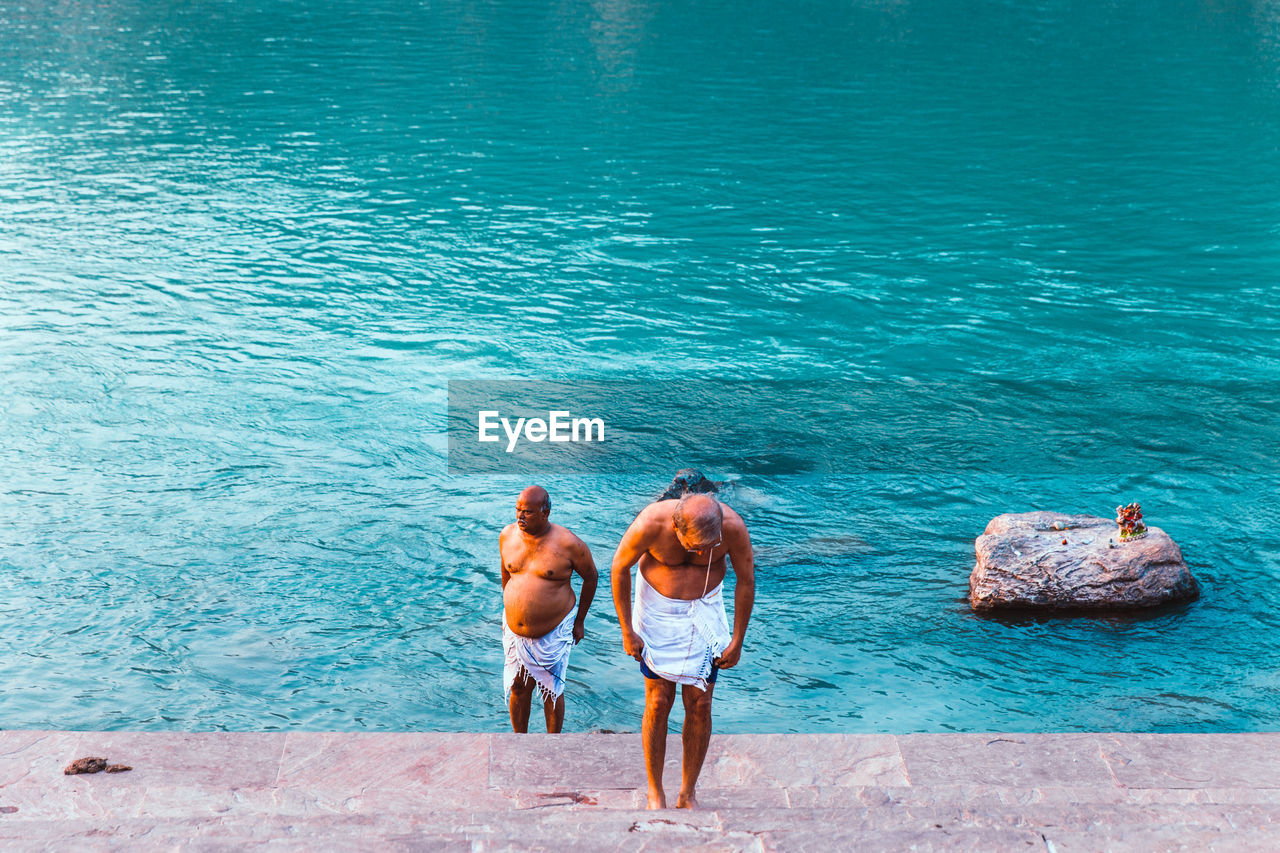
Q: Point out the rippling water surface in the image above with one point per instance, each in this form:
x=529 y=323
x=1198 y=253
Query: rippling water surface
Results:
x=243 y=248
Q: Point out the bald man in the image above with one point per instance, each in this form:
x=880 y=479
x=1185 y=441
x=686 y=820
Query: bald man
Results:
x=541 y=621
x=676 y=628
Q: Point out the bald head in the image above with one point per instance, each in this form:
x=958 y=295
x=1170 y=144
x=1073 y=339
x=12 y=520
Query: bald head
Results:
x=533 y=507
x=535 y=496
x=697 y=518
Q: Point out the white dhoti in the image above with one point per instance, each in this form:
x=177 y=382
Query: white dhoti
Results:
x=545 y=659
x=681 y=637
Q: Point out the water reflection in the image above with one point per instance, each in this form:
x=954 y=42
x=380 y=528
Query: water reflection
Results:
x=617 y=34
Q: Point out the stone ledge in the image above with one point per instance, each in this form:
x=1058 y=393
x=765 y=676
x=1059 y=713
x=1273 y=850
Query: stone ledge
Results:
x=1051 y=792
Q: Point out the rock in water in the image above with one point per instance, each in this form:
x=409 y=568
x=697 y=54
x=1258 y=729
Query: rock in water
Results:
x=688 y=480
x=1023 y=564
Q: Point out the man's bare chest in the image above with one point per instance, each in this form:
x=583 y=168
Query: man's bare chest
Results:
x=676 y=558
x=537 y=562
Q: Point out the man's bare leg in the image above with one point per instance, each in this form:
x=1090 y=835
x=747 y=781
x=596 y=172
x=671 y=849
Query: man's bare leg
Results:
x=659 y=696
x=697 y=734
x=518 y=704
x=553 y=710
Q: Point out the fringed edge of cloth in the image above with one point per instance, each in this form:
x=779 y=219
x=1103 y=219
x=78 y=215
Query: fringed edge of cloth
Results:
x=543 y=693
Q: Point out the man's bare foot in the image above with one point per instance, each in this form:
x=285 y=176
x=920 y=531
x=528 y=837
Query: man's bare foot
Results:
x=657 y=800
x=686 y=802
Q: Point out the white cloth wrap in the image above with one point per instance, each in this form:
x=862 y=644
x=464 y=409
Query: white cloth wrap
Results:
x=545 y=659
x=681 y=637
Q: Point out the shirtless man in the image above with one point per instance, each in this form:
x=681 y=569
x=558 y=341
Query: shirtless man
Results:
x=541 y=622
x=677 y=628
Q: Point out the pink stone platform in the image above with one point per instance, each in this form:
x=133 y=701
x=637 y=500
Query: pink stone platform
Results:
x=480 y=792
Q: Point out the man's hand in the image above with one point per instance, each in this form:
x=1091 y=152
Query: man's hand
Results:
x=632 y=644
x=579 y=631
x=730 y=656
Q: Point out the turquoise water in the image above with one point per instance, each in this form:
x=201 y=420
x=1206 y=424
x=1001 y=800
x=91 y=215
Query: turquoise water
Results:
x=243 y=249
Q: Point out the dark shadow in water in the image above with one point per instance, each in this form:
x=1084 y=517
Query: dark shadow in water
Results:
x=1113 y=618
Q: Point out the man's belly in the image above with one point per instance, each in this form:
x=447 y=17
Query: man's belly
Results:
x=534 y=605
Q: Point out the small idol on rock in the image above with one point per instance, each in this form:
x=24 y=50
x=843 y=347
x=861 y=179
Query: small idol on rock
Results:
x=1130 y=520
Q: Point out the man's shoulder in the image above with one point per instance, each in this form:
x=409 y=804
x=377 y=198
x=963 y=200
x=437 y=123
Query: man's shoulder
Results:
x=731 y=515
x=650 y=522
x=735 y=529
x=564 y=535
x=659 y=509
x=506 y=532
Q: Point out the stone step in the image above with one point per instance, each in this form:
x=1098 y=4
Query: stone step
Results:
x=803 y=832
x=1064 y=792
x=1065 y=817
x=115 y=796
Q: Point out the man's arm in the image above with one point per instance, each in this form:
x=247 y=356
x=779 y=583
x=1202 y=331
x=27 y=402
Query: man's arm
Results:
x=744 y=596
x=632 y=547
x=502 y=561
x=585 y=566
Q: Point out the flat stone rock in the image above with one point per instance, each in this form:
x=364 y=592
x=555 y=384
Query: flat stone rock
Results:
x=35 y=754
x=402 y=760
x=824 y=840
x=570 y=761
x=1172 y=840
x=172 y=758
x=1030 y=760
x=818 y=759
x=1180 y=761
x=964 y=795
x=1055 y=561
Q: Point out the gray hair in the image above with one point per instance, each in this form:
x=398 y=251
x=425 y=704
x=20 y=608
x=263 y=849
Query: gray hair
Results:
x=698 y=513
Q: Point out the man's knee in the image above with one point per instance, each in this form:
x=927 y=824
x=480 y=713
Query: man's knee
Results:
x=659 y=695
x=522 y=686
x=696 y=701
